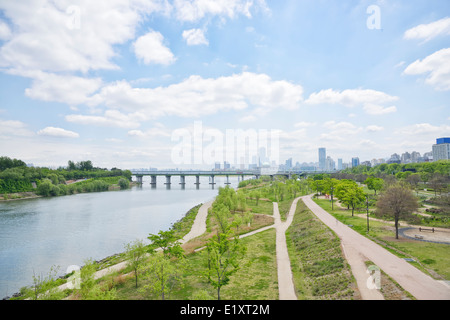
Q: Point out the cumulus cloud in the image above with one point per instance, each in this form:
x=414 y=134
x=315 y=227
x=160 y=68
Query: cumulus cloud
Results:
x=195 y=37
x=429 y=31
x=71 y=37
x=5 y=31
x=72 y=90
x=349 y=97
x=197 y=96
x=374 y=128
x=150 y=49
x=437 y=66
x=374 y=109
x=194 y=10
x=111 y=118
x=14 y=128
x=57 y=132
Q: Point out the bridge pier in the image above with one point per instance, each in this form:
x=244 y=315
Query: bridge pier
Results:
x=197 y=180
x=228 y=181
x=182 y=180
x=153 y=181
x=212 y=180
x=139 y=179
x=167 y=180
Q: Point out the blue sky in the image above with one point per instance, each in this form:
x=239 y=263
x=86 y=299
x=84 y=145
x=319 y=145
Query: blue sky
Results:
x=116 y=82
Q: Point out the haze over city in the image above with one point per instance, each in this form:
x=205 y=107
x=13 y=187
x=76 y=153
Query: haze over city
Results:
x=113 y=81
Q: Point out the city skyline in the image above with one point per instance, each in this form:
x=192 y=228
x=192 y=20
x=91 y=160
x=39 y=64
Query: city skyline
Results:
x=113 y=82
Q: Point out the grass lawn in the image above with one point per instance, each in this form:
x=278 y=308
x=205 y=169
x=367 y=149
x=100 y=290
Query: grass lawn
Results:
x=319 y=268
x=432 y=258
x=255 y=280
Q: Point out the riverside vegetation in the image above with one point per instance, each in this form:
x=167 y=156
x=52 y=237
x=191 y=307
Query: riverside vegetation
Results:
x=248 y=269
x=17 y=180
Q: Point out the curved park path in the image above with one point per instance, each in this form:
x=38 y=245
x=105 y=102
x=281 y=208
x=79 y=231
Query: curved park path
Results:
x=358 y=248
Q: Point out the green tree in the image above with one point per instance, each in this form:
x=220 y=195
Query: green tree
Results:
x=123 y=183
x=89 y=289
x=167 y=242
x=397 y=201
x=135 y=255
x=163 y=270
x=45 y=188
x=223 y=255
x=350 y=194
x=162 y=274
x=45 y=287
x=374 y=183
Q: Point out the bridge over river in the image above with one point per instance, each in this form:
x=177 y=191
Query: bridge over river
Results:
x=213 y=173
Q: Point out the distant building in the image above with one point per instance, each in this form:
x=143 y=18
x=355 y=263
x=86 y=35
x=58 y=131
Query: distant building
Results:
x=322 y=158
x=395 y=158
x=217 y=166
x=288 y=164
x=329 y=164
x=339 y=164
x=226 y=165
x=355 y=162
x=441 y=150
x=416 y=157
x=406 y=157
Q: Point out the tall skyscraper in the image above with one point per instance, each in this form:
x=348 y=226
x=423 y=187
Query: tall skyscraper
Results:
x=339 y=164
x=355 y=162
x=322 y=158
x=441 y=150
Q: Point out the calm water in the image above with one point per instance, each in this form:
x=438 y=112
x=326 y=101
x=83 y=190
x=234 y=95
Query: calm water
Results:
x=40 y=233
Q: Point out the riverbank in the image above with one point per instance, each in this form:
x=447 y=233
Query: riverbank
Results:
x=75 y=190
x=116 y=262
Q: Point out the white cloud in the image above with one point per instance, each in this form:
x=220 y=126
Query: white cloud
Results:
x=14 y=128
x=430 y=30
x=304 y=124
x=424 y=128
x=111 y=118
x=71 y=37
x=151 y=50
x=374 y=109
x=57 y=132
x=194 y=10
x=339 y=130
x=153 y=132
x=195 y=37
x=197 y=96
x=5 y=32
x=349 y=97
x=374 y=128
x=437 y=65
x=68 y=89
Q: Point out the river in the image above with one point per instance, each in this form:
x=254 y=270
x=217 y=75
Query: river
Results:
x=37 y=234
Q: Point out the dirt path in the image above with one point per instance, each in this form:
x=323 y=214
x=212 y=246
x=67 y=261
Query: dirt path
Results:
x=358 y=248
x=286 y=287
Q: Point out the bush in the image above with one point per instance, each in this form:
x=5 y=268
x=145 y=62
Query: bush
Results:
x=45 y=188
x=124 y=183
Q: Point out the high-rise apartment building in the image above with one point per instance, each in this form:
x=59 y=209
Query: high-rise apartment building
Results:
x=441 y=150
x=355 y=162
x=322 y=158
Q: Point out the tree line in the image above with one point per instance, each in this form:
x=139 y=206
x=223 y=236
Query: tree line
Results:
x=16 y=176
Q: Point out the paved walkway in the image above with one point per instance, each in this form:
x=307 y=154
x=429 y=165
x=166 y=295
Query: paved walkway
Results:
x=286 y=287
x=358 y=248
